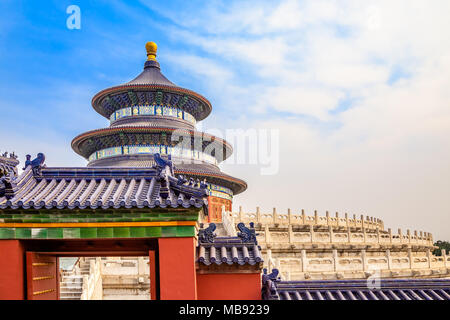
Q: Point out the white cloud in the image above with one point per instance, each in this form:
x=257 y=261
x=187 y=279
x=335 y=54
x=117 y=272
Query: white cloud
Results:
x=387 y=154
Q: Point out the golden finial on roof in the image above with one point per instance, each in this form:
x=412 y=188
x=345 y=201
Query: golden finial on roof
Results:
x=151 y=50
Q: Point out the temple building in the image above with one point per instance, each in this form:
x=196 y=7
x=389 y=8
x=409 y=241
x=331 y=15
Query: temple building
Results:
x=153 y=199
x=150 y=115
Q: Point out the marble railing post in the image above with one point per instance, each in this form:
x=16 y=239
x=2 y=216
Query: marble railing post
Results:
x=269 y=260
x=304 y=261
x=390 y=235
x=400 y=236
x=444 y=256
x=330 y=230
x=378 y=235
x=363 y=259
x=335 y=260
x=267 y=234
x=328 y=217
x=410 y=258
x=346 y=219
x=316 y=217
x=364 y=234
x=362 y=222
x=388 y=257
x=290 y=233
x=429 y=258
x=258 y=214
x=274 y=213
x=141 y=266
x=290 y=218
x=303 y=216
x=408 y=233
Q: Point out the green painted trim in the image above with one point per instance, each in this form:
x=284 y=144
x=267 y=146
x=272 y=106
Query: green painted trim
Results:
x=97 y=233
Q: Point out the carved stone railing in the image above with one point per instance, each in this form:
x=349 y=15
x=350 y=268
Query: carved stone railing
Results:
x=362 y=262
x=303 y=219
x=92 y=283
x=278 y=228
x=286 y=235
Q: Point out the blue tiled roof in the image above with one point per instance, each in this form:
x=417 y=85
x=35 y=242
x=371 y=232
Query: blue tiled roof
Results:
x=384 y=289
x=101 y=187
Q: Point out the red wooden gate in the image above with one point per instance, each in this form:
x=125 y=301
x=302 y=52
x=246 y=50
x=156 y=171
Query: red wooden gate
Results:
x=42 y=276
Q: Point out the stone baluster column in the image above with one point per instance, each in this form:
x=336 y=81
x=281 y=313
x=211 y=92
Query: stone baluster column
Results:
x=408 y=233
x=269 y=260
x=328 y=217
x=303 y=217
x=362 y=222
x=290 y=234
x=258 y=214
x=410 y=258
x=335 y=260
x=444 y=256
x=363 y=259
x=141 y=266
x=349 y=235
x=330 y=231
x=274 y=213
x=378 y=235
x=316 y=217
x=311 y=230
x=416 y=239
x=267 y=234
x=429 y=258
x=400 y=236
x=390 y=235
x=388 y=257
x=337 y=219
x=290 y=218
x=364 y=234
x=346 y=219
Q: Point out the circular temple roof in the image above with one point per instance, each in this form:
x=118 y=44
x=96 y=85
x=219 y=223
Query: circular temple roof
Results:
x=149 y=87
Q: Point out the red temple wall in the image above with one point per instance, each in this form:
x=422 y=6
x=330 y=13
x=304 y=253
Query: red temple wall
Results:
x=177 y=274
x=229 y=286
x=12 y=270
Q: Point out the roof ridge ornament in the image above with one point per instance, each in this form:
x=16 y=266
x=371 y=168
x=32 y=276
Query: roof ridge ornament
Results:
x=36 y=164
x=207 y=235
x=247 y=234
x=151 y=48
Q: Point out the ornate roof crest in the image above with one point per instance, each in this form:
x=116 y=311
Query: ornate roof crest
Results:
x=207 y=235
x=247 y=234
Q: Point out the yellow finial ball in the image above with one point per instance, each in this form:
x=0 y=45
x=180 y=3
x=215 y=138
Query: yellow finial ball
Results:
x=151 y=48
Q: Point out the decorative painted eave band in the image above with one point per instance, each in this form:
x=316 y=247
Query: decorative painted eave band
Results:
x=239 y=185
x=78 y=140
x=97 y=224
x=126 y=87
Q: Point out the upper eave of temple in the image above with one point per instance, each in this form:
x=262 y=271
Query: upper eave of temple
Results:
x=150 y=87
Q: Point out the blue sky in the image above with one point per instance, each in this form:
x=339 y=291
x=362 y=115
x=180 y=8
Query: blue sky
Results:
x=357 y=90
